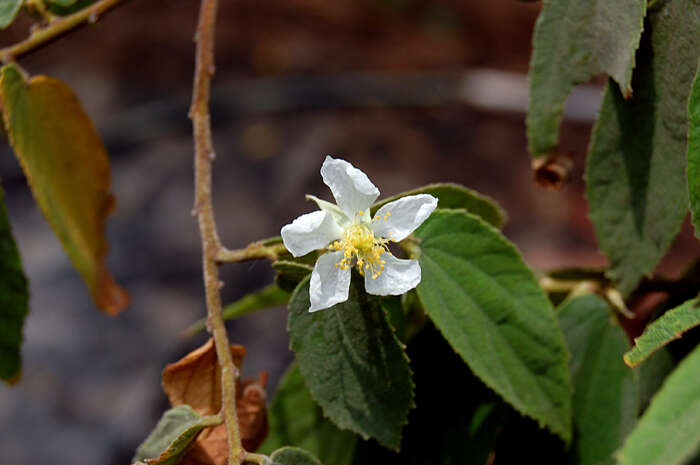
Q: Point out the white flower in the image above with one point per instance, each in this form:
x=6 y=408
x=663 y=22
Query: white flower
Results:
x=353 y=238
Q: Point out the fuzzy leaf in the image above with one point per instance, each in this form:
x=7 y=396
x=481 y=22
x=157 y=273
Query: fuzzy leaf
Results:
x=636 y=170
x=353 y=364
x=296 y=420
x=667 y=433
x=8 y=11
x=694 y=152
x=172 y=436
x=606 y=391
x=67 y=168
x=293 y=456
x=670 y=326
x=14 y=300
x=290 y=274
x=455 y=196
x=490 y=308
x=575 y=41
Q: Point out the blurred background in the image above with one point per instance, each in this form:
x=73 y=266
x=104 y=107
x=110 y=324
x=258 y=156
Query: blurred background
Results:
x=410 y=91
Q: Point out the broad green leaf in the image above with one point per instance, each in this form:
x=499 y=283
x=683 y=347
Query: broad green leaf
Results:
x=14 y=300
x=668 y=433
x=636 y=180
x=172 y=436
x=606 y=391
x=488 y=305
x=68 y=171
x=293 y=456
x=575 y=41
x=455 y=196
x=353 y=364
x=694 y=152
x=290 y=274
x=8 y=11
x=296 y=420
x=269 y=296
x=670 y=326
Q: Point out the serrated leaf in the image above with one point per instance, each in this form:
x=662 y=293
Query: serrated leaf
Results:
x=172 y=436
x=293 y=456
x=290 y=274
x=8 y=11
x=67 y=168
x=296 y=420
x=575 y=41
x=490 y=308
x=269 y=296
x=667 y=433
x=353 y=364
x=694 y=152
x=456 y=196
x=606 y=391
x=668 y=327
x=636 y=180
x=14 y=300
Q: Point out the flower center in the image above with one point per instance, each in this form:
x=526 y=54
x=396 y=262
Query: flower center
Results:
x=361 y=248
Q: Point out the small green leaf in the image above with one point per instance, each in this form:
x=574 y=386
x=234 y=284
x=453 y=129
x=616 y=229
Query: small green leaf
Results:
x=173 y=434
x=14 y=300
x=8 y=11
x=269 y=296
x=455 y=196
x=67 y=168
x=668 y=433
x=296 y=420
x=353 y=364
x=670 y=326
x=290 y=274
x=636 y=170
x=606 y=391
x=490 y=308
x=694 y=152
x=293 y=456
x=575 y=41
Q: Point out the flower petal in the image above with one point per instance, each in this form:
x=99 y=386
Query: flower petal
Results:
x=352 y=189
x=399 y=276
x=330 y=284
x=338 y=215
x=399 y=218
x=309 y=232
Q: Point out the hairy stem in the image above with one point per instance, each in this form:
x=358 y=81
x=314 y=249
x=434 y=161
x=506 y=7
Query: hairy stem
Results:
x=204 y=154
x=56 y=28
x=253 y=251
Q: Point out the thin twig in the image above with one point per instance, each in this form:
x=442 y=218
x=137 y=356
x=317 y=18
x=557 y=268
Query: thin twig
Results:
x=56 y=28
x=253 y=251
x=204 y=150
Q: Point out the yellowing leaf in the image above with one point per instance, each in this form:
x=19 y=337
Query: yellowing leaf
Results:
x=67 y=168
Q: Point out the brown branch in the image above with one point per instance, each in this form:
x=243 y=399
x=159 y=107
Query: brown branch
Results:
x=254 y=251
x=56 y=28
x=204 y=154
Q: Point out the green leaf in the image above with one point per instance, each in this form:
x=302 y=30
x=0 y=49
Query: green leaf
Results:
x=290 y=274
x=636 y=180
x=606 y=391
x=694 y=152
x=575 y=41
x=667 y=433
x=353 y=364
x=8 y=11
x=67 y=168
x=293 y=456
x=296 y=420
x=173 y=434
x=14 y=300
x=455 y=196
x=652 y=374
x=489 y=307
x=63 y=3
x=670 y=326
x=269 y=296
